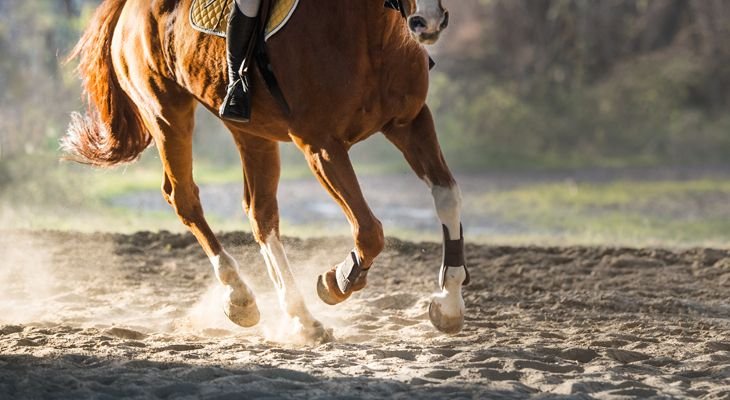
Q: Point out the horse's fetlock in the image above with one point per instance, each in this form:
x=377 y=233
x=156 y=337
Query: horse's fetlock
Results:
x=226 y=269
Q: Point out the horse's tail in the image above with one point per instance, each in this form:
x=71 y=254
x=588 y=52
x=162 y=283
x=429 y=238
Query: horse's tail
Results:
x=112 y=131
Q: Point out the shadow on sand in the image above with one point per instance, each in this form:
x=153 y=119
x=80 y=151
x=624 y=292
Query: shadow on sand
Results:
x=81 y=377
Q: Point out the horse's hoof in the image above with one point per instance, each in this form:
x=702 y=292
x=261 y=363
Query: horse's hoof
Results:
x=244 y=316
x=328 y=290
x=318 y=334
x=242 y=312
x=447 y=313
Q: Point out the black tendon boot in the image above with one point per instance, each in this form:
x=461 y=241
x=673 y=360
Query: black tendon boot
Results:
x=240 y=38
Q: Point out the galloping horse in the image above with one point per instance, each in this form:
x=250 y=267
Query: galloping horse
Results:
x=348 y=70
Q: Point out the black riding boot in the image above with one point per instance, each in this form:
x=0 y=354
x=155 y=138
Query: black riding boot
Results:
x=240 y=36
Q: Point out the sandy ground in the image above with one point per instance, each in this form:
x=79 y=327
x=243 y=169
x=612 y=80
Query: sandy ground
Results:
x=137 y=316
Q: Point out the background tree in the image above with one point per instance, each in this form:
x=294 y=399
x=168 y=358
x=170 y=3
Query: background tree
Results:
x=519 y=84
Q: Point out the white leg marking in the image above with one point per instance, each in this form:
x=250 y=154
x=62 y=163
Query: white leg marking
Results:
x=226 y=269
x=447 y=307
x=448 y=207
x=290 y=299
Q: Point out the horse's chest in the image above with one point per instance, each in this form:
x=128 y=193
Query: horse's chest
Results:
x=404 y=88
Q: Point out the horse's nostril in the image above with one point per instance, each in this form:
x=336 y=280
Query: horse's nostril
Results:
x=417 y=22
x=445 y=21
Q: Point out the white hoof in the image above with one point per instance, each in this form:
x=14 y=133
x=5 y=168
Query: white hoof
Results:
x=241 y=309
x=446 y=312
x=317 y=334
x=292 y=330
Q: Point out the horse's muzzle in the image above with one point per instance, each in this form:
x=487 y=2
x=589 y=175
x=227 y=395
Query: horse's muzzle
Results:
x=427 y=29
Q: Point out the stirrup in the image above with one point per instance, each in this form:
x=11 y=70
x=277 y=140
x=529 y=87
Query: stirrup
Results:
x=236 y=105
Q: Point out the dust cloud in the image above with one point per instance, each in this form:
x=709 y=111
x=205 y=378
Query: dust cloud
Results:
x=48 y=281
x=42 y=288
x=30 y=288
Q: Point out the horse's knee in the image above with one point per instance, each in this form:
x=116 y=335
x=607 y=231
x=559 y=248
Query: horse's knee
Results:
x=370 y=239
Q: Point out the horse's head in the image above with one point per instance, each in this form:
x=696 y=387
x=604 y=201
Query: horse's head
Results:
x=426 y=19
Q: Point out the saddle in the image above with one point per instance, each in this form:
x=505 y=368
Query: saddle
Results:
x=211 y=16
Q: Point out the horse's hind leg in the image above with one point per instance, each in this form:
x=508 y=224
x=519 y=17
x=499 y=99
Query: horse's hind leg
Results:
x=173 y=131
x=261 y=168
x=328 y=159
x=420 y=146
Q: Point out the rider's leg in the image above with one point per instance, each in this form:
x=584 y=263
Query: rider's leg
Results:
x=239 y=40
x=249 y=8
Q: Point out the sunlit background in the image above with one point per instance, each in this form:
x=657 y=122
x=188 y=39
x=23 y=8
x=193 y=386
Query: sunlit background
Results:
x=565 y=121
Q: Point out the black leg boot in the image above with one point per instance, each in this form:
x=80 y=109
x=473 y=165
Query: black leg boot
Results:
x=240 y=37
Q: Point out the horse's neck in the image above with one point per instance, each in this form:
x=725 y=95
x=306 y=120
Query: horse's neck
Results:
x=399 y=46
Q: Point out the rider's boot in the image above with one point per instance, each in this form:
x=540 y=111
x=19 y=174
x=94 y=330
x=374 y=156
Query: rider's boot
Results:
x=240 y=38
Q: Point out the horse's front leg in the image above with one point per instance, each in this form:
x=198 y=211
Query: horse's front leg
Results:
x=261 y=167
x=328 y=159
x=420 y=146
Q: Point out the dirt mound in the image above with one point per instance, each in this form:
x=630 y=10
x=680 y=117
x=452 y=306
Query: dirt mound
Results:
x=106 y=315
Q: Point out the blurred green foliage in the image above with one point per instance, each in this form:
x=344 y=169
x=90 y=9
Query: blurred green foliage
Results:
x=580 y=83
x=639 y=117
x=37 y=91
x=520 y=84
x=681 y=212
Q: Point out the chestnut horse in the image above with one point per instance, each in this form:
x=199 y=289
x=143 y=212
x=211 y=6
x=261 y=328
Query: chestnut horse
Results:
x=348 y=69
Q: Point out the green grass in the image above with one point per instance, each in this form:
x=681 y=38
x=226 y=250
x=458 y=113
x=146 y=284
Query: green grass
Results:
x=111 y=183
x=628 y=212
x=675 y=213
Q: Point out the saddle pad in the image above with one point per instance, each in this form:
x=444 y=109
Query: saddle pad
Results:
x=211 y=16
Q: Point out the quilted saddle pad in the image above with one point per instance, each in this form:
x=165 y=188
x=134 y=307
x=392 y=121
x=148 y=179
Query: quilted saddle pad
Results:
x=211 y=16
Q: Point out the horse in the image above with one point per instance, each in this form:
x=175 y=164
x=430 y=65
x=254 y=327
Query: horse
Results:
x=348 y=70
